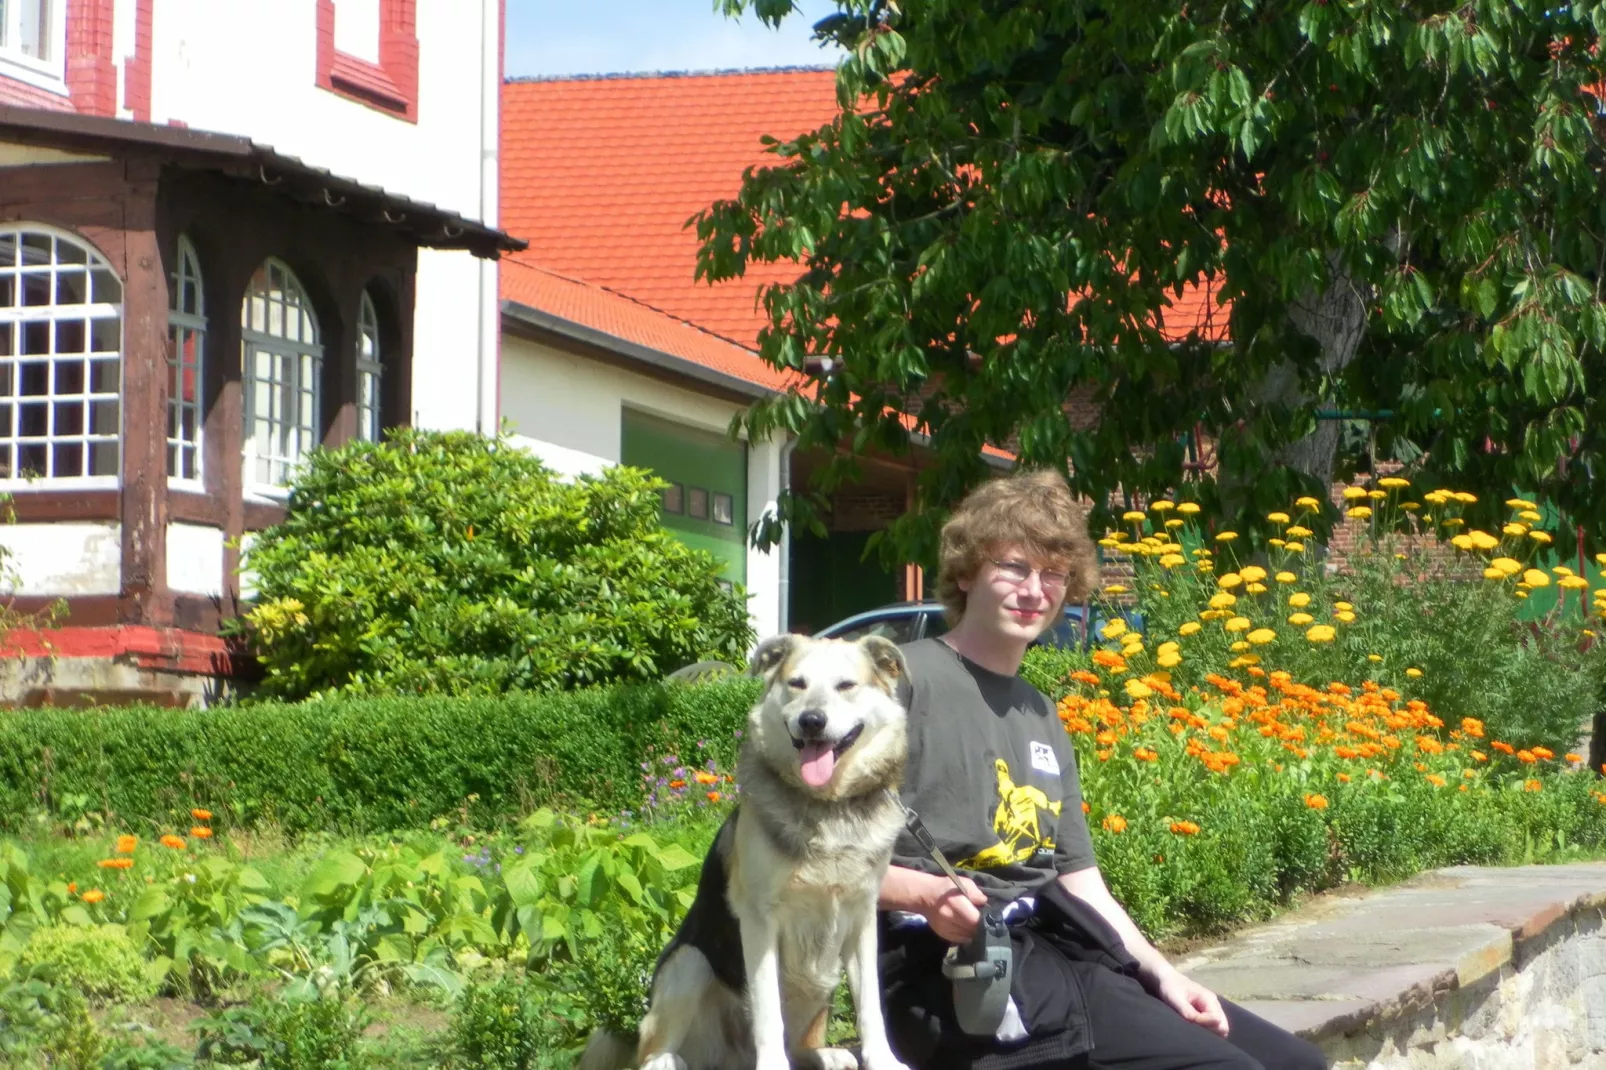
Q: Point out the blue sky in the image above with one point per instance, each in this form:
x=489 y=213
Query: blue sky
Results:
x=563 y=37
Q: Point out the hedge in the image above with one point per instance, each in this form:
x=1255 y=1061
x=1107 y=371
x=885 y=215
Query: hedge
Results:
x=362 y=764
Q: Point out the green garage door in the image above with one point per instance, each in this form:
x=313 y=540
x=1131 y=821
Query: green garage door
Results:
x=706 y=503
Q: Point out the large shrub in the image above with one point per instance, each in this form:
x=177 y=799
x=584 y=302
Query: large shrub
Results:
x=449 y=562
x=375 y=763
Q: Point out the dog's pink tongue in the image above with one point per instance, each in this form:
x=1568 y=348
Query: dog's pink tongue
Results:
x=817 y=760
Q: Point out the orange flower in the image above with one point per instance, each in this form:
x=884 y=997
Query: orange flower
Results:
x=1573 y=757
x=713 y=796
x=1343 y=778
x=126 y=844
x=1185 y=828
x=1436 y=780
x=1505 y=748
x=201 y=815
x=677 y=783
x=1527 y=757
x=1544 y=753
x=115 y=863
x=1105 y=739
x=1085 y=807
x=172 y=841
x=72 y=887
x=706 y=778
x=1316 y=802
x=201 y=832
x=1478 y=755
x=1532 y=785
x=1115 y=823
x=1146 y=754
x=94 y=895
x=1082 y=676
x=1472 y=727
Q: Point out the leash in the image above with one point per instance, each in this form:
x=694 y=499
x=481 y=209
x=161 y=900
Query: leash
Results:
x=980 y=969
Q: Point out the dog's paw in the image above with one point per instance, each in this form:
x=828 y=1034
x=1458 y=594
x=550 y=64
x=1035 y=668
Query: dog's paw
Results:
x=826 y=1059
x=883 y=1060
x=664 y=1060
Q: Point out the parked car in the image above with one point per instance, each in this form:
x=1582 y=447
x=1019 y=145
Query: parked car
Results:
x=904 y=622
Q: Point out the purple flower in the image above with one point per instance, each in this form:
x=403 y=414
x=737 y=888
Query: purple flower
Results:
x=519 y=849
x=738 y=733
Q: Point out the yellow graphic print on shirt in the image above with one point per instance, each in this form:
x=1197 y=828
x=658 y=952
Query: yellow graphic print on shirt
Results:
x=1020 y=832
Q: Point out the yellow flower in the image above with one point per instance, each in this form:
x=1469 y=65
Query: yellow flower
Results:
x=1452 y=522
x=1561 y=570
x=1172 y=560
x=1261 y=636
x=1462 y=542
x=1573 y=583
x=1175 y=522
x=1540 y=537
x=1343 y=607
x=1346 y=616
x=1229 y=580
x=1410 y=507
x=1307 y=503
x=1222 y=600
x=1113 y=628
x=1515 y=530
x=1520 y=503
x=1299 y=620
x=1286 y=577
x=1298 y=532
x=1115 y=588
x=1377 y=495
x=1465 y=498
x=1163 y=506
x=1353 y=494
x=1506 y=565
x=1277 y=518
x=1600 y=559
x=1252 y=573
x=1256 y=588
x=1414 y=674
x=1295 y=547
x=1482 y=540
x=1492 y=573
x=1239 y=646
x=1437 y=497
x=1189 y=628
x=1279 y=543
x=1299 y=599
x=1535 y=578
x=1393 y=482
x=1188 y=508
x=1531 y=516
x=1133 y=516
x=1374 y=657
x=1238 y=624
x=1321 y=633
x=1169 y=660
x=1138 y=689
x=1226 y=536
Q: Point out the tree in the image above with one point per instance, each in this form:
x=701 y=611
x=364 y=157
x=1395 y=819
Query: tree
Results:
x=1400 y=199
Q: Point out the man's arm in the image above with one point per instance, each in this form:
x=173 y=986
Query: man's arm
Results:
x=952 y=916
x=1188 y=998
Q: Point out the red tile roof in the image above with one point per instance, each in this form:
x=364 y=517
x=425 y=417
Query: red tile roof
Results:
x=23 y=95
x=600 y=175
x=626 y=318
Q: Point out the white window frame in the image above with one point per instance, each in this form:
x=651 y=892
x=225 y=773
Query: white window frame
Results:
x=186 y=321
x=370 y=372
x=48 y=73
x=294 y=362
x=54 y=395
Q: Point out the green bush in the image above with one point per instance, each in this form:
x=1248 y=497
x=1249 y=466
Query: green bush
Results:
x=277 y=1034
x=449 y=562
x=99 y=960
x=496 y=1027
x=354 y=764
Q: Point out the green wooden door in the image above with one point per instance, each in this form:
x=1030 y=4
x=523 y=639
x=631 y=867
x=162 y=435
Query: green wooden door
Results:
x=706 y=503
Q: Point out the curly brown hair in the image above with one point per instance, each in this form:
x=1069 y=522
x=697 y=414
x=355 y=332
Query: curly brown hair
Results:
x=1033 y=510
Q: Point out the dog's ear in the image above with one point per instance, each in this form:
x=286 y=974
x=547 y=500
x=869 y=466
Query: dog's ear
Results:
x=770 y=653
x=890 y=667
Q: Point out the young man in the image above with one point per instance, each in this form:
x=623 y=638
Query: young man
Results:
x=992 y=775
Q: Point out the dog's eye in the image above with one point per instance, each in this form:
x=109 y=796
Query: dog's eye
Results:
x=847 y=685
x=797 y=683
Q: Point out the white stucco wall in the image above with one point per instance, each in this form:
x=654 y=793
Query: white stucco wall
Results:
x=195 y=559
x=249 y=67
x=63 y=559
x=567 y=410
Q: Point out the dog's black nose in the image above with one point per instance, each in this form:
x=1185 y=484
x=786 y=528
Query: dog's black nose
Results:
x=811 y=721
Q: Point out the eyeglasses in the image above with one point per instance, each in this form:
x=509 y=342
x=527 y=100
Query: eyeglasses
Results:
x=1017 y=572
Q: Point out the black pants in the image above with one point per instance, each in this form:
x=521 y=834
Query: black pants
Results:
x=1104 y=1018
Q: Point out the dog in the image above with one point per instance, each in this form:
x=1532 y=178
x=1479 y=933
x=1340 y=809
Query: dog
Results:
x=787 y=896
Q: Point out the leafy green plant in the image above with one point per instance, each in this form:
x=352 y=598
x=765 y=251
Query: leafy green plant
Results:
x=449 y=562
x=102 y=961
x=193 y=919
x=280 y=1034
x=496 y=1027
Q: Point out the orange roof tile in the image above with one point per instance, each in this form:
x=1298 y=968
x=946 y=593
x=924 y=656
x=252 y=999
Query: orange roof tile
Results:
x=600 y=175
x=625 y=318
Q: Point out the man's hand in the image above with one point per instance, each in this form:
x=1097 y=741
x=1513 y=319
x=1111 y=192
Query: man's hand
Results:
x=954 y=917
x=1193 y=1001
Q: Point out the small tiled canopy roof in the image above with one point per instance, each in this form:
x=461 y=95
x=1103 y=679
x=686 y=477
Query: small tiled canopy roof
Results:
x=429 y=226
x=600 y=175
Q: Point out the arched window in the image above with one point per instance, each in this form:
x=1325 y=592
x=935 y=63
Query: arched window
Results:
x=61 y=335
x=186 y=319
x=282 y=364
x=370 y=370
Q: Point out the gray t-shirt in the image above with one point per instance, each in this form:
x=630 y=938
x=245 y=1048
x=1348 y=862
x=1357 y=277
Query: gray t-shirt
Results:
x=992 y=775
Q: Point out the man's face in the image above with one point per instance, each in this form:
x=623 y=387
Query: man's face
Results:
x=1014 y=594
